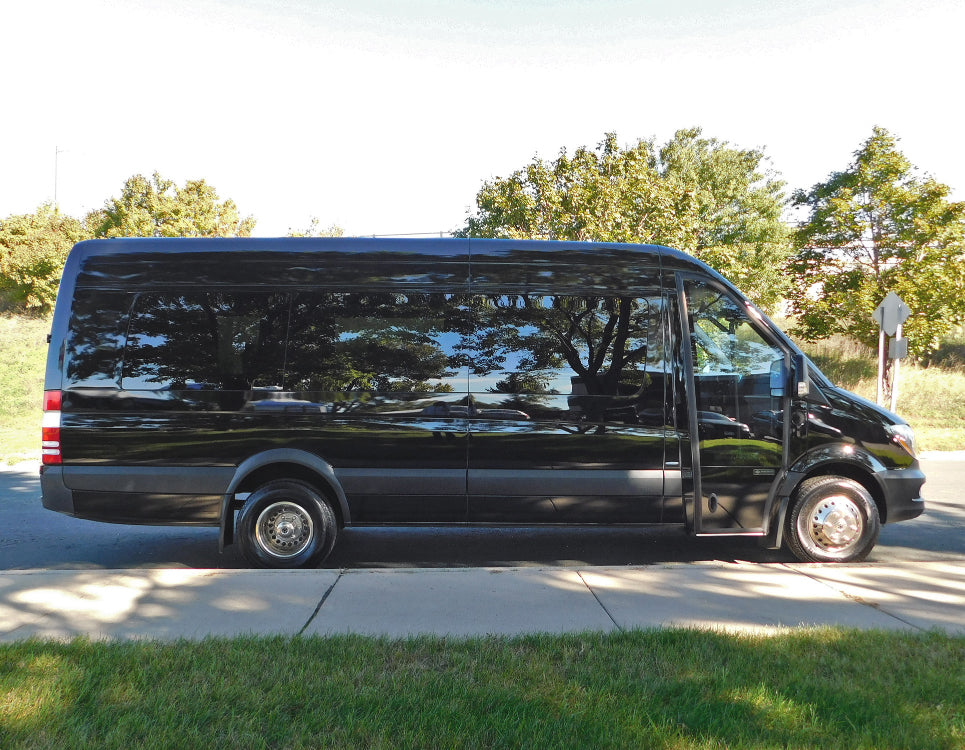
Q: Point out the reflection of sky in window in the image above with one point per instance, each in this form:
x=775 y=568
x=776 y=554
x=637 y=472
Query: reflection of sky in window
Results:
x=144 y=382
x=144 y=341
x=459 y=382
x=147 y=373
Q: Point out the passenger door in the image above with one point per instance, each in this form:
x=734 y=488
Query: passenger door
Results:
x=568 y=416
x=739 y=453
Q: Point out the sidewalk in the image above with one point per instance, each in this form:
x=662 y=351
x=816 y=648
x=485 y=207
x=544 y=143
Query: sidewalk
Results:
x=180 y=603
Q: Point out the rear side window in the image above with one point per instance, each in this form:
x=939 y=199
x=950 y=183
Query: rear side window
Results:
x=206 y=341
x=95 y=339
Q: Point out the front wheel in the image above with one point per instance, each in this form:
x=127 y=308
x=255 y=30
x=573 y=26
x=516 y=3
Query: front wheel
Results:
x=286 y=524
x=832 y=519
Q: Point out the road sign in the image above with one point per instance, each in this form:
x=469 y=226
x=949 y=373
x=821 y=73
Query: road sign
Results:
x=891 y=313
x=898 y=349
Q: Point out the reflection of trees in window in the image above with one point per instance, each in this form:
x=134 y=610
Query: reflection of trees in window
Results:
x=227 y=341
x=95 y=339
x=527 y=347
x=523 y=391
x=374 y=341
x=724 y=340
x=538 y=342
x=605 y=354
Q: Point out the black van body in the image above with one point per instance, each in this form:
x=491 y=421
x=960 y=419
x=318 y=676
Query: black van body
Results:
x=307 y=384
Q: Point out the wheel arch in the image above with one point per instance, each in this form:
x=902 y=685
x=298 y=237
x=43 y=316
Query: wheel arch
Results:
x=843 y=461
x=281 y=463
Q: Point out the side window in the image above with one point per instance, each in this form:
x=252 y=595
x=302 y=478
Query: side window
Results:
x=95 y=339
x=206 y=341
x=732 y=366
x=601 y=356
x=388 y=342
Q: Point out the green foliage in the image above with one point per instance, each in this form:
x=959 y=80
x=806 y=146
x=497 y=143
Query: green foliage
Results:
x=877 y=228
x=696 y=194
x=159 y=208
x=313 y=230
x=33 y=248
x=844 y=360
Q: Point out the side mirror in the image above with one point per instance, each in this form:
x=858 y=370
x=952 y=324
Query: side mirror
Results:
x=802 y=378
x=779 y=378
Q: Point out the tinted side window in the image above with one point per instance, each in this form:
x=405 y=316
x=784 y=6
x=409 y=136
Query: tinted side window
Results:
x=603 y=354
x=206 y=341
x=550 y=344
x=95 y=339
x=377 y=341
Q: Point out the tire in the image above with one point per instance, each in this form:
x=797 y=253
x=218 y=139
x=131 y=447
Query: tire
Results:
x=832 y=519
x=286 y=524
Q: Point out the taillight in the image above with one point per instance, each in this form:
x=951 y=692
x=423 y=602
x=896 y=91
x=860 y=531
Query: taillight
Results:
x=50 y=447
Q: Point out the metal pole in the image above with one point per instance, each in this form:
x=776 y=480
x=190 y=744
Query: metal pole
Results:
x=894 y=376
x=57 y=152
x=881 y=369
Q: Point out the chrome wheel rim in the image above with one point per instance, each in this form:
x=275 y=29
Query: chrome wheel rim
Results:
x=833 y=524
x=284 y=529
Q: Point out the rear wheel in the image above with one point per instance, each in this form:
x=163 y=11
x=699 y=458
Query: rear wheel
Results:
x=832 y=519
x=286 y=524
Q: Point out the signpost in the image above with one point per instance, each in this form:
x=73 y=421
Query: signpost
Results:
x=890 y=315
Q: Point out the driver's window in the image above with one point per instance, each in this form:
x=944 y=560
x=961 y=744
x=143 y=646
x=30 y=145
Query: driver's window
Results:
x=732 y=367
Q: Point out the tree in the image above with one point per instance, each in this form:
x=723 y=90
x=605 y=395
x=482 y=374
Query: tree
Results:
x=33 y=248
x=697 y=194
x=159 y=208
x=313 y=230
x=876 y=228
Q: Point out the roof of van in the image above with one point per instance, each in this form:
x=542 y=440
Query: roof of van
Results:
x=493 y=250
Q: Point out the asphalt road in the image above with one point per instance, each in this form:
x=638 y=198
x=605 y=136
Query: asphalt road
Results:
x=32 y=537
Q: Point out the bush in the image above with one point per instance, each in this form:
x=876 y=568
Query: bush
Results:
x=950 y=354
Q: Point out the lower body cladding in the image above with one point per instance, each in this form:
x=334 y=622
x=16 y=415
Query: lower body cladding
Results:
x=290 y=513
x=193 y=496
x=175 y=496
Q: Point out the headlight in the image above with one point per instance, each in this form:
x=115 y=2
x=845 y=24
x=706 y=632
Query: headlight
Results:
x=903 y=435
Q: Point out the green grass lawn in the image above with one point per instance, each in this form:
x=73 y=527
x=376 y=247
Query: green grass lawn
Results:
x=820 y=688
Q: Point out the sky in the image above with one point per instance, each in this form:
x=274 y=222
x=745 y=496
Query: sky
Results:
x=386 y=117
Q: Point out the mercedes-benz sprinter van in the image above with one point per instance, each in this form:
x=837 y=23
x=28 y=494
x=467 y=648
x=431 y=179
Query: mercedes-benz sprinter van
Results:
x=282 y=389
